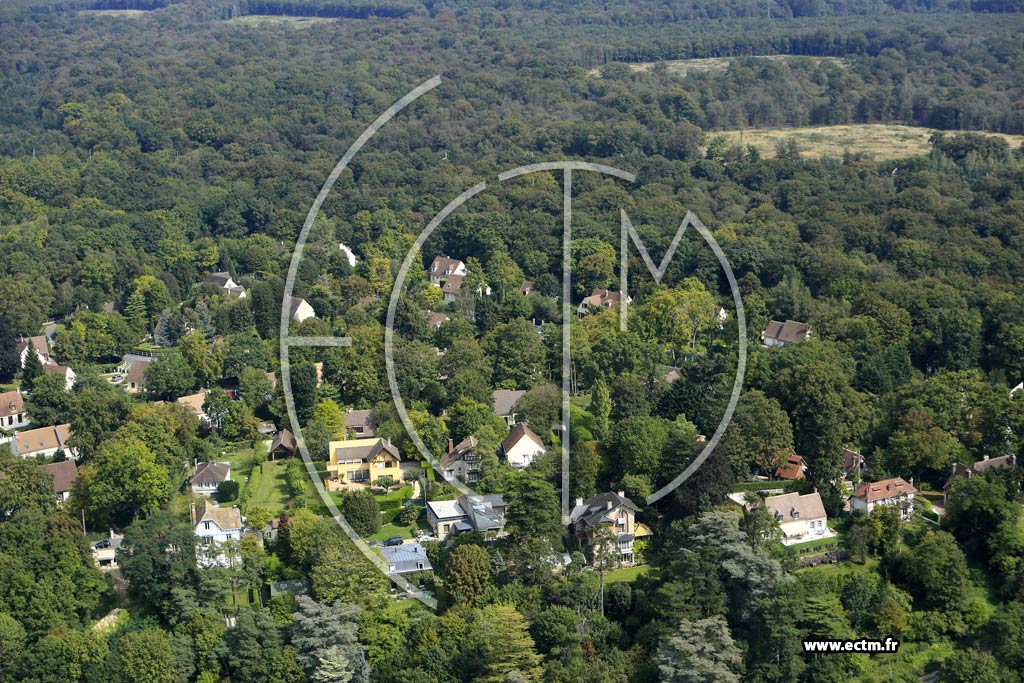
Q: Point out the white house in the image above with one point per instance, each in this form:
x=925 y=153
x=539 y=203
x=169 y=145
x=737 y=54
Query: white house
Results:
x=601 y=298
x=444 y=267
x=301 y=310
x=208 y=476
x=12 y=411
x=67 y=373
x=43 y=442
x=895 y=491
x=485 y=514
x=800 y=517
x=789 y=332
x=39 y=344
x=521 y=446
x=349 y=254
x=224 y=281
x=215 y=524
x=65 y=474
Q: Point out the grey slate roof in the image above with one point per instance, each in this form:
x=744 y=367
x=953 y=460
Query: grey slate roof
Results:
x=503 y=400
x=596 y=509
x=405 y=558
x=210 y=473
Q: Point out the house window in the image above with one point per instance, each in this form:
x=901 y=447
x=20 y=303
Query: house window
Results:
x=206 y=526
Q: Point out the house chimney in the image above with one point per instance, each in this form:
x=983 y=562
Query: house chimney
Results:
x=579 y=501
x=620 y=494
x=451 y=445
x=985 y=458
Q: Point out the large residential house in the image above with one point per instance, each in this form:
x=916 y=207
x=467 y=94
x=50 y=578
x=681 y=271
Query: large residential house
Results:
x=607 y=518
x=800 y=517
x=39 y=344
x=462 y=461
x=12 y=411
x=407 y=558
x=362 y=423
x=601 y=298
x=521 y=446
x=133 y=367
x=361 y=461
x=65 y=474
x=215 y=524
x=207 y=476
x=485 y=514
x=64 y=371
x=789 y=332
x=961 y=471
x=224 y=281
x=444 y=267
x=896 y=492
x=503 y=403
x=43 y=442
x=300 y=310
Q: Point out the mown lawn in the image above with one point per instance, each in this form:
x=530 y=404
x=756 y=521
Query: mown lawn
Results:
x=389 y=530
x=271 y=489
x=627 y=574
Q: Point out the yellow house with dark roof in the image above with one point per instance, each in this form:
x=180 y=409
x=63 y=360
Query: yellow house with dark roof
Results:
x=360 y=461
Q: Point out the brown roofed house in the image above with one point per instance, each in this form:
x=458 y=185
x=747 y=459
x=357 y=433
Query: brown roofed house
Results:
x=600 y=298
x=961 y=471
x=12 y=411
x=41 y=346
x=443 y=267
x=853 y=462
x=43 y=442
x=462 y=461
x=789 y=332
x=794 y=468
x=896 y=492
x=521 y=446
x=283 y=445
x=360 y=461
x=65 y=474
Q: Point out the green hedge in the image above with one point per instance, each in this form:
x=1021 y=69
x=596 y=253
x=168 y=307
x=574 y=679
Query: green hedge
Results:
x=758 y=486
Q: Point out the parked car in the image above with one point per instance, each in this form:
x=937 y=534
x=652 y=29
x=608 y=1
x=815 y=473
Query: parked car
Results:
x=99 y=545
x=116 y=378
x=394 y=540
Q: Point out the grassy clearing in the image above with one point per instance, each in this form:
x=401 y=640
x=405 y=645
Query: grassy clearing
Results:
x=628 y=574
x=713 y=65
x=883 y=141
x=258 y=20
x=128 y=13
x=271 y=488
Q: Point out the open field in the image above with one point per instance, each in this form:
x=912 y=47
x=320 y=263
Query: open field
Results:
x=883 y=141
x=129 y=13
x=684 y=67
x=278 y=20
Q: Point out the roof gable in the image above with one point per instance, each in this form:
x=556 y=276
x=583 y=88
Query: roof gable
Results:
x=518 y=433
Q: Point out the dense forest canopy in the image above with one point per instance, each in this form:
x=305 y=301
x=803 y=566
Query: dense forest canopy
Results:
x=142 y=151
